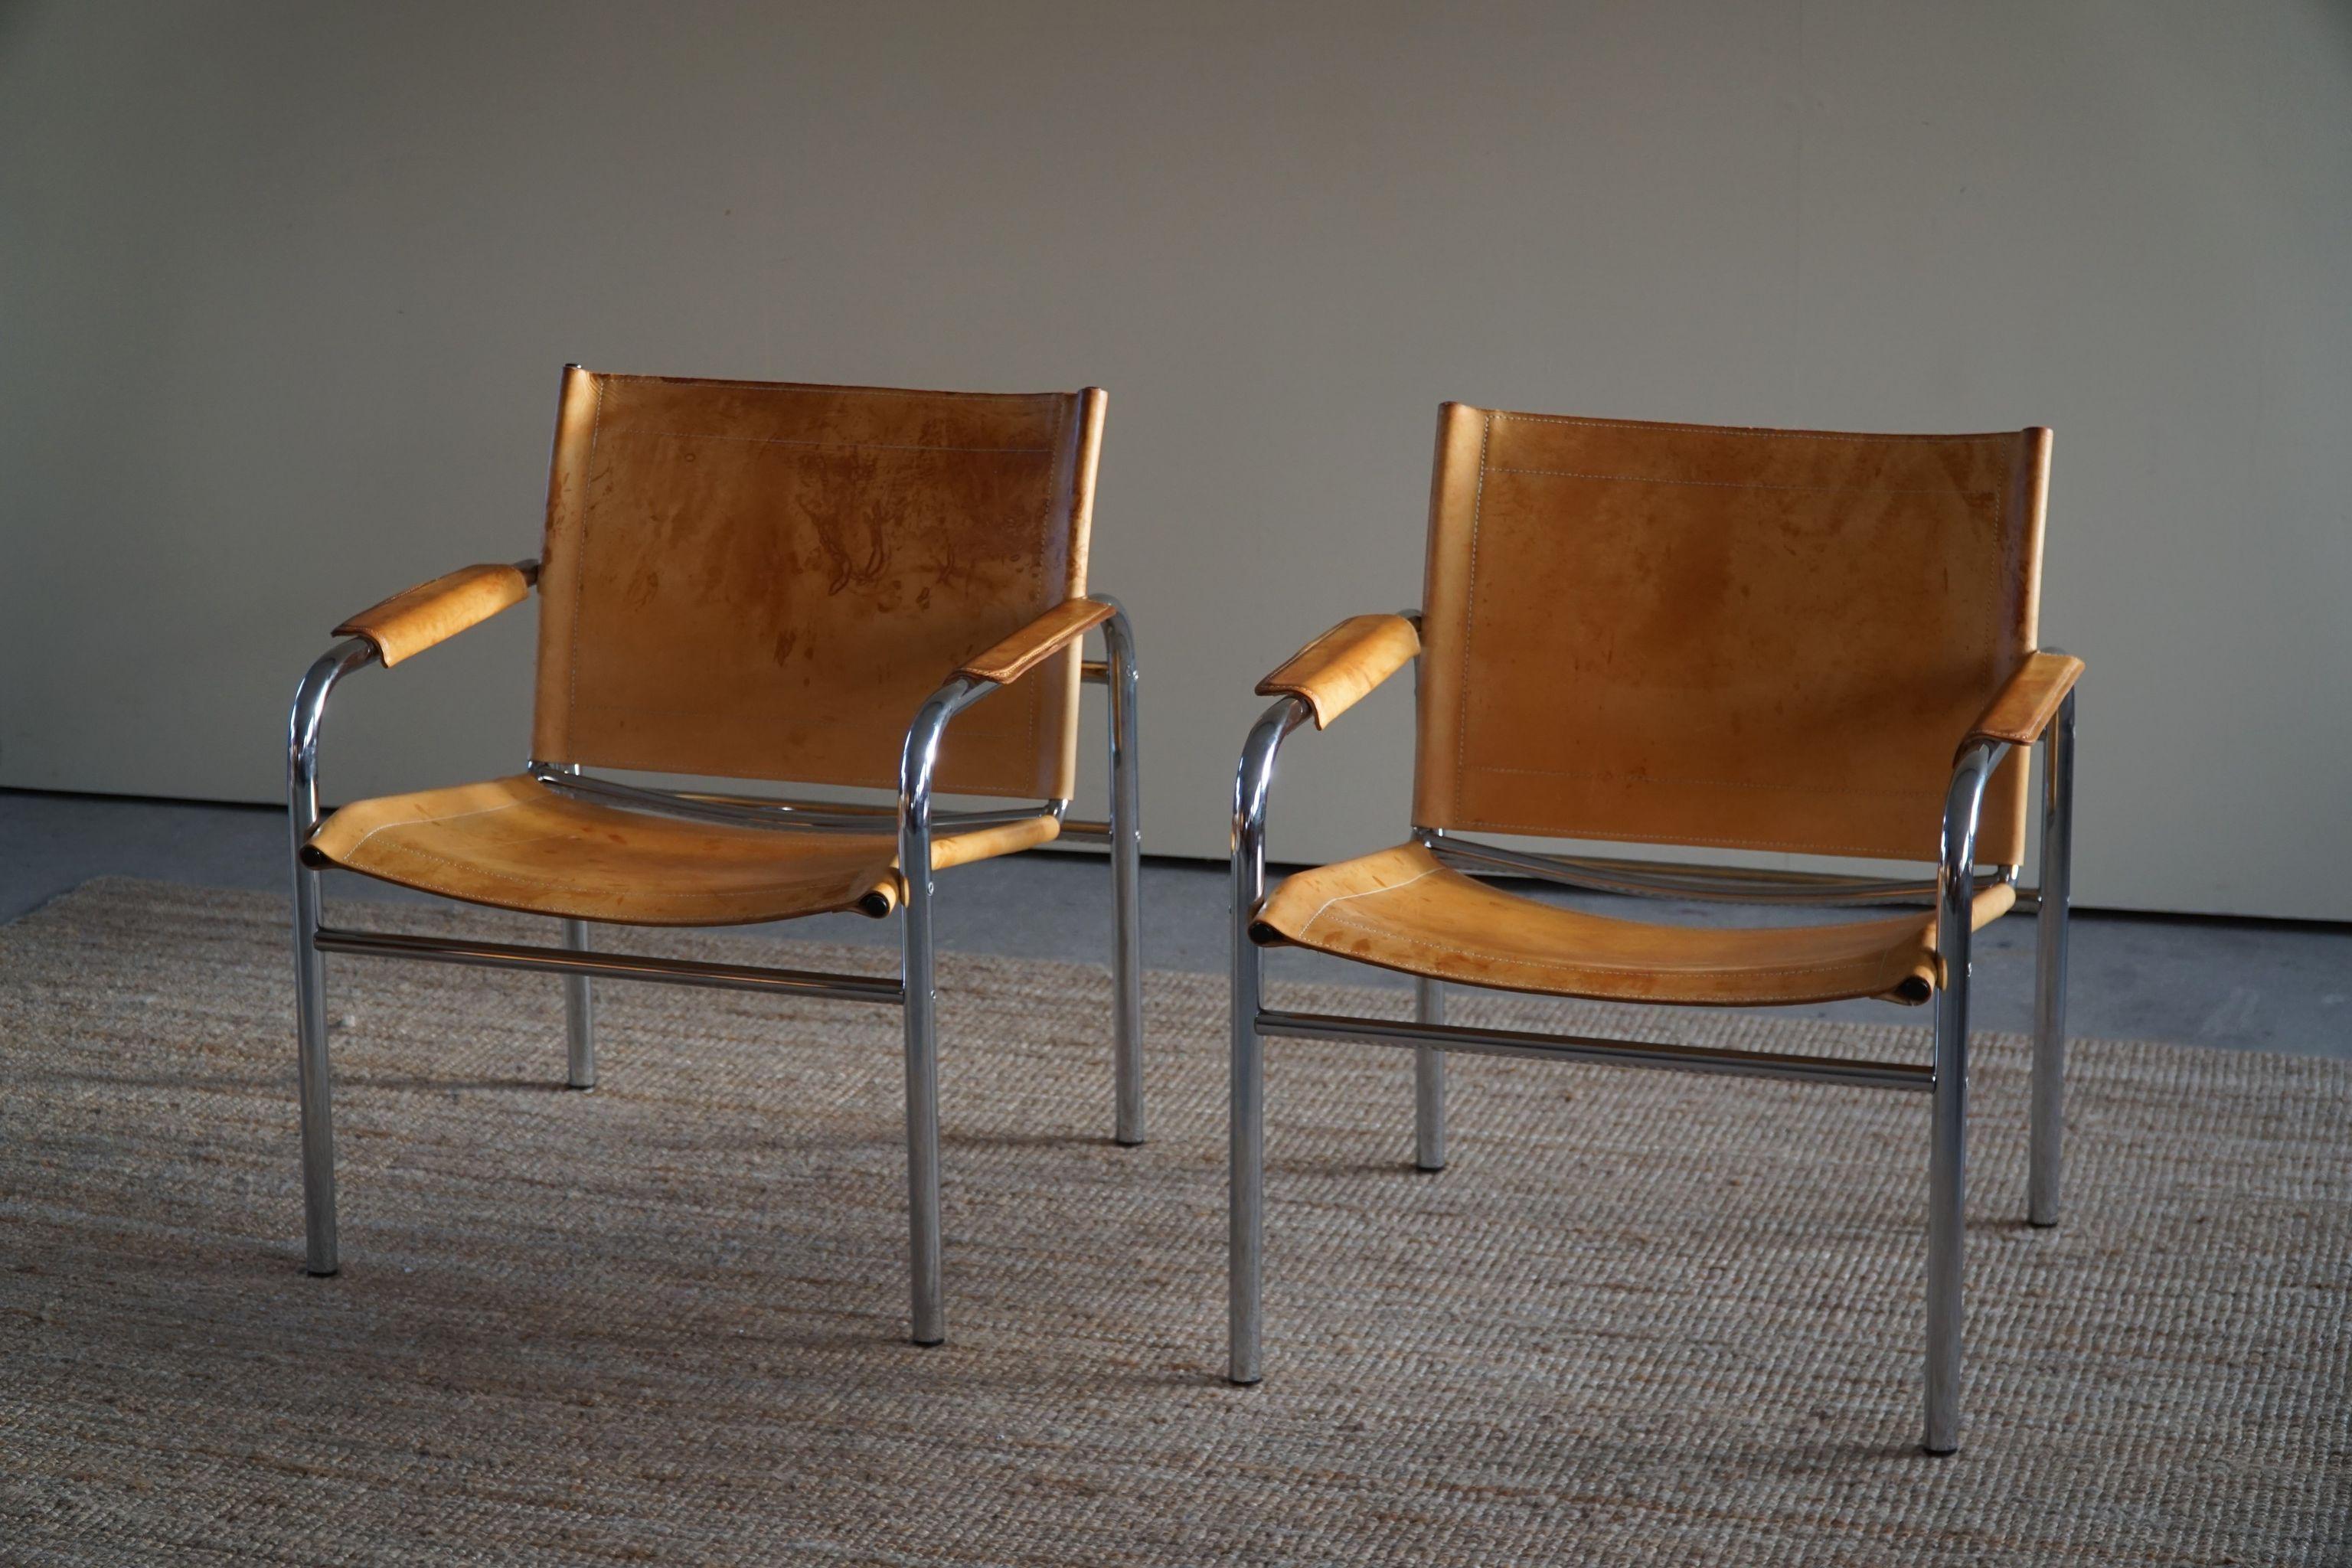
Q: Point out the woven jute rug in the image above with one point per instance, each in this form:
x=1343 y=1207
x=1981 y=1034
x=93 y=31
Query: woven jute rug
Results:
x=1642 y=1318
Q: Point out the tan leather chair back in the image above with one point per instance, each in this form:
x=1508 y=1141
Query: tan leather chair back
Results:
x=764 y=580
x=1756 y=639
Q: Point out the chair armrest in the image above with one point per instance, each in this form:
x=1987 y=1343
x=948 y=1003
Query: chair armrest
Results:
x=433 y=612
x=2025 y=707
x=1030 y=647
x=1336 y=670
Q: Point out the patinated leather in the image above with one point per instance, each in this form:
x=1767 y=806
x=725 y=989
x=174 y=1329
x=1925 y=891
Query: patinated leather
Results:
x=413 y=621
x=2026 y=705
x=517 y=843
x=765 y=580
x=1338 y=668
x=1403 y=910
x=1030 y=647
x=1759 y=639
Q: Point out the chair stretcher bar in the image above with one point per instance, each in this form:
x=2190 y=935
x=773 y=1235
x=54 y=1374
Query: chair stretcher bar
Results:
x=1588 y=1048
x=613 y=965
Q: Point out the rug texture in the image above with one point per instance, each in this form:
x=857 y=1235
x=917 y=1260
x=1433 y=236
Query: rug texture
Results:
x=1642 y=1318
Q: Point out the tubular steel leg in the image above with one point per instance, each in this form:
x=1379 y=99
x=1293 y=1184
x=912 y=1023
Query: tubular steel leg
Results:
x=915 y=765
x=579 y=1015
x=1428 y=1081
x=923 y=1115
x=1948 y=1112
x=1247 y=1198
x=312 y=1074
x=1947 y=1208
x=2048 y=1117
x=1125 y=870
x=319 y=1249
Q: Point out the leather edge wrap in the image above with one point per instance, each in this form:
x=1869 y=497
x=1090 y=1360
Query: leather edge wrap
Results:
x=1340 y=668
x=2028 y=701
x=1030 y=647
x=414 y=620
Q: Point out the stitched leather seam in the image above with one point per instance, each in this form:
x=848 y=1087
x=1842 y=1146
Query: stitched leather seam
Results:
x=1037 y=695
x=1714 y=784
x=361 y=842
x=1470 y=611
x=1739 y=485
x=817 y=389
x=1748 y=432
x=580 y=573
x=1296 y=685
x=1369 y=892
x=1301 y=658
x=516 y=878
x=1037 y=585
x=1867 y=964
x=520 y=879
x=833 y=446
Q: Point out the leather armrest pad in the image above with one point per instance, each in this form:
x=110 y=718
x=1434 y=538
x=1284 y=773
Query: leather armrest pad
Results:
x=1026 y=650
x=431 y=612
x=1337 y=669
x=2025 y=707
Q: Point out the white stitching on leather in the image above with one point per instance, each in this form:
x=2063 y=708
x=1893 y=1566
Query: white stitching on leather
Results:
x=580 y=573
x=818 y=388
x=1748 y=431
x=1369 y=892
x=1038 y=583
x=1470 y=612
x=1738 y=485
x=1597 y=964
x=836 y=445
x=1594 y=967
x=518 y=879
x=508 y=805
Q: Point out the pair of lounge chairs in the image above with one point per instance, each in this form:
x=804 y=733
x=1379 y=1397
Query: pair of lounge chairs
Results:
x=1799 y=642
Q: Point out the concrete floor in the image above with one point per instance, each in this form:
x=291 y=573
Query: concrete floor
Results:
x=2241 y=984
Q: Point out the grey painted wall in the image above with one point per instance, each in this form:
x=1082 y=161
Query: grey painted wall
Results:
x=284 y=290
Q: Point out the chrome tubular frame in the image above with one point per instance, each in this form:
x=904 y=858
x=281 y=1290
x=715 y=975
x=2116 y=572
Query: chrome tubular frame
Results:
x=1428 y=1007
x=789 y=815
x=1428 y=1080
x=1666 y=880
x=569 y=962
x=1434 y=1038
x=1944 y=1078
x=1948 y=1114
x=2050 y=968
x=317 y=1087
x=579 y=1009
x=1246 y=1202
x=1125 y=832
x=915 y=765
x=911 y=818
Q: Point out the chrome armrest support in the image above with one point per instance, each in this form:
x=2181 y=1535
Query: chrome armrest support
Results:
x=308 y=715
x=917 y=761
x=1253 y=784
x=1121 y=676
x=1955 y=868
